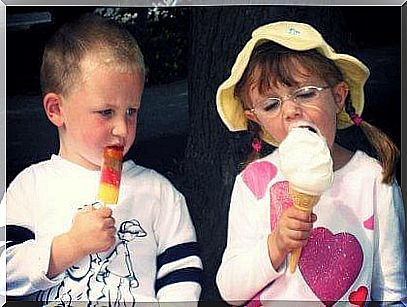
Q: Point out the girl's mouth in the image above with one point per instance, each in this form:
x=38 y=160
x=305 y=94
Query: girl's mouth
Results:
x=309 y=128
x=305 y=124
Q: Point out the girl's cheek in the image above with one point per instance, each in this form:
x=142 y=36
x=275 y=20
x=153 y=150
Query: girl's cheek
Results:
x=278 y=133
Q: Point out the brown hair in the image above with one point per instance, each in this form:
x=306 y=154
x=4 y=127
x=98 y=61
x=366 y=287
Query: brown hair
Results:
x=60 y=69
x=275 y=64
x=272 y=64
x=387 y=152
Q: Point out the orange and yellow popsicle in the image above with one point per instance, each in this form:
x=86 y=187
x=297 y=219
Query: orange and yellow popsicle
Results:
x=110 y=175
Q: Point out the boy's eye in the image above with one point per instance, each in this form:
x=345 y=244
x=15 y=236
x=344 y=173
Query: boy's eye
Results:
x=131 y=111
x=106 y=113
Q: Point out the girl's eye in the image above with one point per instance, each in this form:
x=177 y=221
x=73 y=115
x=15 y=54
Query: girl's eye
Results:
x=106 y=113
x=132 y=111
x=271 y=104
x=306 y=94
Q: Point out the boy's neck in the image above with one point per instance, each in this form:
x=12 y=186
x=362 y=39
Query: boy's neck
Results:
x=79 y=160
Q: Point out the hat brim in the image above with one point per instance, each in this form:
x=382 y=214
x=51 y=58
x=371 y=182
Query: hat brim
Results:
x=355 y=73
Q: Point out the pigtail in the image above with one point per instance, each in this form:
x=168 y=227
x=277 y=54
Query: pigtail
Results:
x=256 y=143
x=387 y=152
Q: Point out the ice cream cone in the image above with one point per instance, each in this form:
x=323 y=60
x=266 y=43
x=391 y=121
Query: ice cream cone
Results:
x=304 y=202
x=306 y=163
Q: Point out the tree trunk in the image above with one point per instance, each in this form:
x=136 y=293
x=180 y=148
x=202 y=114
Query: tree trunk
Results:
x=213 y=155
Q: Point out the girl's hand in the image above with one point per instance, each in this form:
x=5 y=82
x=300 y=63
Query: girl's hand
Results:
x=292 y=231
x=93 y=230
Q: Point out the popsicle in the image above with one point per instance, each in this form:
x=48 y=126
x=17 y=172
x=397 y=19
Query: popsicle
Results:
x=110 y=175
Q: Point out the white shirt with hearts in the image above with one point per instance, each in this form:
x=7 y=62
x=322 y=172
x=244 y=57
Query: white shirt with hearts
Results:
x=355 y=253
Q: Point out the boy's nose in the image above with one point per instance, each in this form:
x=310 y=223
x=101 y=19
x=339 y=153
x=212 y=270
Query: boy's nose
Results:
x=290 y=109
x=120 y=127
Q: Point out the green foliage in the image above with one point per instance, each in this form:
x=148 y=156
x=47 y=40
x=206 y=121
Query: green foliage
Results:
x=162 y=33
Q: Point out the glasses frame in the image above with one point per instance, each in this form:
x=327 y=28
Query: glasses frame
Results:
x=291 y=96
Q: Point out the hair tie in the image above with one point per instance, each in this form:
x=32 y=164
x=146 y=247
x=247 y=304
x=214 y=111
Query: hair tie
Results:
x=257 y=145
x=356 y=119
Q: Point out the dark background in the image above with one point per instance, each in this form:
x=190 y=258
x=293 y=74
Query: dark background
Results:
x=189 y=51
x=166 y=45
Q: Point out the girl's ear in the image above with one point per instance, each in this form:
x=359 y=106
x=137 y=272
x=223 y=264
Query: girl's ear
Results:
x=251 y=116
x=341 y=91
x=53 y=108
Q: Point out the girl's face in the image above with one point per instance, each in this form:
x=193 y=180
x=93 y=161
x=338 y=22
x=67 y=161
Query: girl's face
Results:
x=319 y=111
x=100 y=111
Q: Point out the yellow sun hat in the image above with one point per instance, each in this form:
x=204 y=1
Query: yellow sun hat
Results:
x=295 y=36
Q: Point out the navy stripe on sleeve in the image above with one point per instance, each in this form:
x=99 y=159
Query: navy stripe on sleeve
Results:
x=177 y=252
x=184 y=274
x=17 y=235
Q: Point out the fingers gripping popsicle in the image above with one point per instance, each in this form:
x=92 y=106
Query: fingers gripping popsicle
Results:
x=111 y=171
x=307 y=164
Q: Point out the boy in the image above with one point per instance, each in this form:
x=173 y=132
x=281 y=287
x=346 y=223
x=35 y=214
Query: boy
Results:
x=62 y=249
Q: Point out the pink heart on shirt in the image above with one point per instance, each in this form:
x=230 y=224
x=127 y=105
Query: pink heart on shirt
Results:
x=280 y=200
x=369 y=223
x=257 y=175
x=330 y=263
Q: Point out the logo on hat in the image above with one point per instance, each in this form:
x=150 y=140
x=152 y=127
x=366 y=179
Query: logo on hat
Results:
x=293 y=31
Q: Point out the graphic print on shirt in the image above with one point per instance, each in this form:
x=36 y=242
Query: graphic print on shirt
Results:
x=110 y=279
x=329 y=263
x=257 y=176
x=77 y=276
x=117 y=270
x=359 y=296
x=280 y=200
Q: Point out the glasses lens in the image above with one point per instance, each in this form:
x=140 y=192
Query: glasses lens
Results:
x=270 y=105
x=305 y=94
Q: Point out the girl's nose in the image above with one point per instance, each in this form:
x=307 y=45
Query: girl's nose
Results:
x=120 y=127
x=290 y=109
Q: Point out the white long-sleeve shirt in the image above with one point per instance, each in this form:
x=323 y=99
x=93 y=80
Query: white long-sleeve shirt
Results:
x=155 y=257
x=355 y=251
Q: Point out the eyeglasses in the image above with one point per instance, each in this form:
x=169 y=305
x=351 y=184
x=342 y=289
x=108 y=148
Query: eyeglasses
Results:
x=272 y=106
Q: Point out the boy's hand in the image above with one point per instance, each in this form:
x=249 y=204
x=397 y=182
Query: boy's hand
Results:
x=93 y=230
x=292 y=231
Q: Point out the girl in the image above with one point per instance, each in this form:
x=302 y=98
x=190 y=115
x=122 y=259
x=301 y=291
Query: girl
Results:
x=352 y=244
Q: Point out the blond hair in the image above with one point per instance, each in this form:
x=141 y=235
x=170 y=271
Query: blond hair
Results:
x=61 y=62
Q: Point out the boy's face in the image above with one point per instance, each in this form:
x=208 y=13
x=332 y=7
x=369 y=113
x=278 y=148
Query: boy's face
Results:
x=99 y=111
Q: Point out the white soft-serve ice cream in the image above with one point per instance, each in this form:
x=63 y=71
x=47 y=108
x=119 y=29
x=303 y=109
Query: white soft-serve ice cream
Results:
x=306 y=163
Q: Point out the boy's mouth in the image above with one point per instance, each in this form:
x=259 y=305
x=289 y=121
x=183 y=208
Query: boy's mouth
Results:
x=116 y=147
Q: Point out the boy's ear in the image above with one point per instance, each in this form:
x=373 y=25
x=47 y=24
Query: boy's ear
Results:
x=341 y=91
x=53 y=108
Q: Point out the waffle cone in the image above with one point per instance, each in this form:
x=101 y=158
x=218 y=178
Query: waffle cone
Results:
x=304 y=202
